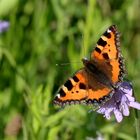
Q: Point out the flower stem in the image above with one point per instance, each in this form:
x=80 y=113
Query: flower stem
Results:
x=137 y=123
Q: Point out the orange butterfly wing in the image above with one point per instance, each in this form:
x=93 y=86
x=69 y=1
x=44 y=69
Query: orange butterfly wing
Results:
x=80 y=88
x=107 y=55
x=97 y=92
x=84 y=86
x=73 y=91
x=107 y=58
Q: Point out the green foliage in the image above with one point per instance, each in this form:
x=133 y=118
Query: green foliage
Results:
x=48 y=32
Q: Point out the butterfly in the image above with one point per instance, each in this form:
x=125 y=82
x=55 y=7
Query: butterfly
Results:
x=95 y=82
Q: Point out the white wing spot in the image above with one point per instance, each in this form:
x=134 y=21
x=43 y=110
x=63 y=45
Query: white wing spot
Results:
x=109 y=31
x=58 y=95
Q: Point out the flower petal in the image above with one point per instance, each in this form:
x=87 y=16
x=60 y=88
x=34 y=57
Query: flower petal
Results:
x=101 y=110
x=135 y=105
x=130 y=98
x=130 y=92
x=107 y=115
x=125 y=109
x=126 y=87
x=118 y=115
x=127 y=91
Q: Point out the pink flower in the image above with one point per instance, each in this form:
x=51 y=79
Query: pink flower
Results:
x=120 y=102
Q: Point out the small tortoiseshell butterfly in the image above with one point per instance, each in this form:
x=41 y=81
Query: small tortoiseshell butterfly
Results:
x=95 y=82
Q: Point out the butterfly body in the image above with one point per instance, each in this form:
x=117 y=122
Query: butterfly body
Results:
x=95 y=82
x=92 y=69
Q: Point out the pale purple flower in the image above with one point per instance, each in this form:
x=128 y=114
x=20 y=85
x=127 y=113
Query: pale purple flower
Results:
x=3 y=26
x=120 y=102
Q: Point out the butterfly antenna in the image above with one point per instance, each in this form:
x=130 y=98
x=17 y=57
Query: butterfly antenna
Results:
x=67 y=63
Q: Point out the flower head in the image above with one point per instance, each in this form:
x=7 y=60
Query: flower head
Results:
x=120 y=102
x=3 y=26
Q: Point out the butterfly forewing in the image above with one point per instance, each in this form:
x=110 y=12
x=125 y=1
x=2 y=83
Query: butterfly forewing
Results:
x=74 y=90
x=107 y=55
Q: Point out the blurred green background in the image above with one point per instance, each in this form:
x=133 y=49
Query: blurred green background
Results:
x=44 y=33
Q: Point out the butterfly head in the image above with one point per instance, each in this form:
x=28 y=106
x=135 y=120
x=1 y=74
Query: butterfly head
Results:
x=85 y=61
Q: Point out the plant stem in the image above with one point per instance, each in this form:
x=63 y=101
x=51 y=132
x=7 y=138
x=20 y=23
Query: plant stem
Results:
x=137 y=123
x=88 y=26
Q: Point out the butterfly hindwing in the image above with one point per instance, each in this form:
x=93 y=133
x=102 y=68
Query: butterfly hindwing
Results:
x=99 y=96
